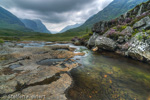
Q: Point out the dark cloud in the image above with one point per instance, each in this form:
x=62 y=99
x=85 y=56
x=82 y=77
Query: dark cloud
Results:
x=58 y=6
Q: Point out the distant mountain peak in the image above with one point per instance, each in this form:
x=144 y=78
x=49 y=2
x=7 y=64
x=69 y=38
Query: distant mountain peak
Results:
x=35 y=25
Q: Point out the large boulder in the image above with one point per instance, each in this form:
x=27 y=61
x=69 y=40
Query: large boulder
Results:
x=105 y=43
x=127 y=31
x=139 y=49
x=92 y=39
x=142 y=24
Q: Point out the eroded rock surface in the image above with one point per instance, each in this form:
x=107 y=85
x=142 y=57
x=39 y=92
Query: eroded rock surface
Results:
x=22 y=74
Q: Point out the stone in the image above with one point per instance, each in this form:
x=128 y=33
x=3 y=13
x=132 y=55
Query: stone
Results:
x=53 y=91
x=121 y=40
x=143 y=24
x=34 y=78
x=138 y=49
x=105 y=43
x=140 y=10
x=95 y=49
x=148 y=6
x=92 y=39
x=127 y=31
x=148 y=41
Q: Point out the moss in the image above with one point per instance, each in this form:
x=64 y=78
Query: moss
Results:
x=120 y=27
x=135 y=31
x=148 y=32
x=1 y=41
x=142 y=37
x=123 y=27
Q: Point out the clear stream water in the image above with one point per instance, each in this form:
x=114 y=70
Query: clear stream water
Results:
x=108 y=76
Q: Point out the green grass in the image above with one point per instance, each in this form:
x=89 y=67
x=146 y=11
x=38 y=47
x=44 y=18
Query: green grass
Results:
x=13 y=35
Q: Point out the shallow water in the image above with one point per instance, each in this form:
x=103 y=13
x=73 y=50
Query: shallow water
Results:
x=49 y=62
x=108 y=76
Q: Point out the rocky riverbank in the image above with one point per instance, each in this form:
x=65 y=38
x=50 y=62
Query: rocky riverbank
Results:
x=40 y=71
x=127 y=35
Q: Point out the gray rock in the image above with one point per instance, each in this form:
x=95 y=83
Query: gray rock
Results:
x=148 y=6
x=105 y=43
x=139 y=49
x=127 y=31
x=121 y=40
x=135 y=11
x=140 y=10
x=92 y=39
x=141 y=23
x=148 y=41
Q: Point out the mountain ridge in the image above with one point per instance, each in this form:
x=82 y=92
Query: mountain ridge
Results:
x=10 y=21
x=36 y=25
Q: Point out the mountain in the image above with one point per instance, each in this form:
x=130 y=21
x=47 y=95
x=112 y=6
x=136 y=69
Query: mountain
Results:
x=70 y=27
x=35 y=25
x=113 y=10
x=10 y=21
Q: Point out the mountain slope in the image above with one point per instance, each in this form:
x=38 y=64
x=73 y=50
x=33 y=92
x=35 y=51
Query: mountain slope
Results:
x=70 y=27
x=10 y=21
x=113 y=10
x=35 y=25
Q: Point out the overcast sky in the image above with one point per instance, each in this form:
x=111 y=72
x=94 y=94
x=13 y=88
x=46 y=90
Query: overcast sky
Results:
x=55 y=14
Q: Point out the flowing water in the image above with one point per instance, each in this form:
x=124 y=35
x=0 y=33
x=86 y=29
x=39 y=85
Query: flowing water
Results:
x=108 y=76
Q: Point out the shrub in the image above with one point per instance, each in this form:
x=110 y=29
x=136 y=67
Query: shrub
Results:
x=1 y=41
x=140 y=37
x=113 y=34
x=86 y=36
x=128 y=20
x=119 y=27
x=135 y=31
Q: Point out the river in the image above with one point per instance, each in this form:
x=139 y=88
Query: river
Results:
x=108 y=76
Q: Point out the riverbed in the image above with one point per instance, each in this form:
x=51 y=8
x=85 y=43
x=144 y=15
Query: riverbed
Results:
x=96 y=76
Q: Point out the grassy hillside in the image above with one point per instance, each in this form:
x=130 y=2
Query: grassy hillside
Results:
x=8 y=34
x=10 y=21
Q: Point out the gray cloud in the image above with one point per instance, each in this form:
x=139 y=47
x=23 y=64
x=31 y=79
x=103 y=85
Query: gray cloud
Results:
x=58 y=6
x=53 y=12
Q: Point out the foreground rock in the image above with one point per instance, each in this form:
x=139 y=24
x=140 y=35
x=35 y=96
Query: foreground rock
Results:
x=105 y=43
x=23 y=74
